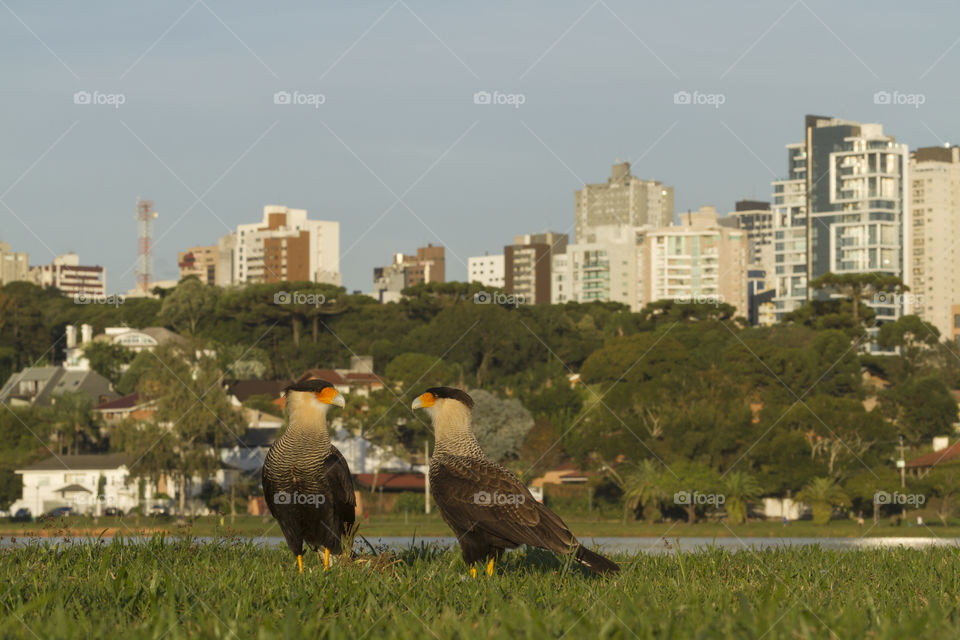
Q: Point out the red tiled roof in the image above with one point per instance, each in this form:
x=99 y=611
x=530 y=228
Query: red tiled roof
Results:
x=393 y=481
x=363 y=377
x=244 y=389
x=934 y=458
x=126 y=402
x=329 y=375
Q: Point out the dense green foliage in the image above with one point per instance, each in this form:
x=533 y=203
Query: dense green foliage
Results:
x=178 y=589
x=684 y=387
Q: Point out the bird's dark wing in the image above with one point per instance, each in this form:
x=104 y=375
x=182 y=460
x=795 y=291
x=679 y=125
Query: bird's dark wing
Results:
x=478 y=495
x=269 y=490
x=340 y=481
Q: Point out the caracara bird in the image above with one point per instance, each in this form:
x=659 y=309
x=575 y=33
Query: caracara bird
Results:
x=306 y=481
x=486 y=505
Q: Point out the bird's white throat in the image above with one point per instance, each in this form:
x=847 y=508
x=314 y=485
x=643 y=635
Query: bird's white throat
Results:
x=308 y=416
x=453 y=429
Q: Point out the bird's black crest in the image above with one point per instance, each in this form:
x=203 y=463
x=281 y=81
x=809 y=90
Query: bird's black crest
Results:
x=308 y=385
x=453 y=394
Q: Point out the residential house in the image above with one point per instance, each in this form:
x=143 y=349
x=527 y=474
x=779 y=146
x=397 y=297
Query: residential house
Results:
x=130 y=406
x=39 y=386
x=88 y=483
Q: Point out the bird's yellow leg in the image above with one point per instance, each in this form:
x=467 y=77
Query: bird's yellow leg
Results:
x=326 y=558
x=473 y=572
x=490 y=567
x=300 y=562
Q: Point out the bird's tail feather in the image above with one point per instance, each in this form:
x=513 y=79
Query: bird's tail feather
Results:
x=595 y=562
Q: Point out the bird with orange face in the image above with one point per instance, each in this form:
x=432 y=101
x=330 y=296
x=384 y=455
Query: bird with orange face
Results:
x=486 y=504
x=306 y=481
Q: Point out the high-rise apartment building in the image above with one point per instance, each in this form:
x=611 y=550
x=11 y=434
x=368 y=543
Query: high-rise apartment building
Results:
x=527 y=265
x=201 y=262
x=756 y=219
x=70 y=277
x=486 y=269
x=934 y=223
x=13 y=265
x=429 y=265
x=284 y=246
x=697 y=260
x=604 y=269
x=839 y=210
x=624 y=200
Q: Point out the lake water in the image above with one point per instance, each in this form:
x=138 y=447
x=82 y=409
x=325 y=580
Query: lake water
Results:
x=608 y=545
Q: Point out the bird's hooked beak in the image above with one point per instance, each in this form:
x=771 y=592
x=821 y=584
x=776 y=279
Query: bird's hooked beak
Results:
x=424 y=401
x=329 y=395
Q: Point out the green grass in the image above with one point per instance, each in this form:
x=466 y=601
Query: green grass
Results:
x=176 y=588
x=429 y=526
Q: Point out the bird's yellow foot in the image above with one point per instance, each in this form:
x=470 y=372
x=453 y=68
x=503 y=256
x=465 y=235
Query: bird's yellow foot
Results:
x=326 y=558
x=473 y=572
x=300 y=562
x=490 y=567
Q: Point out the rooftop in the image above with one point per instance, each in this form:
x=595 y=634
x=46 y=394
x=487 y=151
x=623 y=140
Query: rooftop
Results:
x=82 y=462
x=934 y=458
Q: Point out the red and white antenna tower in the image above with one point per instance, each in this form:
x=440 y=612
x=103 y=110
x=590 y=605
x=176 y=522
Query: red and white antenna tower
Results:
x=145 y=217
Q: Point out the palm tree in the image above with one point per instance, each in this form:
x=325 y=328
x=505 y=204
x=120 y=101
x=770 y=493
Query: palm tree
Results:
x=823 y=495
x=644 y=488
x=739 y=488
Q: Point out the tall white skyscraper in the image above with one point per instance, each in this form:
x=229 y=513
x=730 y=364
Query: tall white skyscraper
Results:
x=934 y=249
x=840 y=210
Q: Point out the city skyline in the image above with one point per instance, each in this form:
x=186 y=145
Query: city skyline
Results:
x=376 y=116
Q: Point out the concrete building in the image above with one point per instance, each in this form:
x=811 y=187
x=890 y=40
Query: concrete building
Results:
x=955 y=330
x=284 y=246
x=527 y=265
x=850 y=178
x=428 y=265
x=624 y=200
x=487 y=270
x=201 y=262
x=14 y=266
x=698 y=260
x=934 y=249
x=756 y=219
x=602 y=270
x=70 y=277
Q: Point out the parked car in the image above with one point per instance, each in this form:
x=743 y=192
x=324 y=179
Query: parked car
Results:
x=21 y=515
x=58 y=512
x=113 y=511
x=159 y=510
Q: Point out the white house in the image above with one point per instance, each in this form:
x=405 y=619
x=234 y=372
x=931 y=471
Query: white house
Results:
x=74 y=481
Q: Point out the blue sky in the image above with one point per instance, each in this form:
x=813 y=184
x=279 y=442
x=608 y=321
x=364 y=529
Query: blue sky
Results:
x=398 y=151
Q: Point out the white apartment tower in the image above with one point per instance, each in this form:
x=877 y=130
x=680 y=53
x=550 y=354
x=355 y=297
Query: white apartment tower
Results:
x=934 y=222
x=487 y=270
x=840 y=210
x=284 y=246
